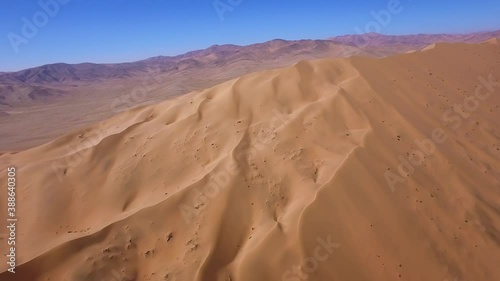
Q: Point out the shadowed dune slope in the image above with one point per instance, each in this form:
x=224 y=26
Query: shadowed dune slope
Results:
x=326 y=164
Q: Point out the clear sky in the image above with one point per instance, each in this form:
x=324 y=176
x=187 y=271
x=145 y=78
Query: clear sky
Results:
x=74 y=31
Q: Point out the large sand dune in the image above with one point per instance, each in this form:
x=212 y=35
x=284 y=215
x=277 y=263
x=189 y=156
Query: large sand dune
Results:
x=288 y=174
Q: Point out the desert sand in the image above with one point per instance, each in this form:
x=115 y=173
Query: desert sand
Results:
x=298 y=173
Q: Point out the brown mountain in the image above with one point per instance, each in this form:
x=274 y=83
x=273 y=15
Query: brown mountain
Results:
x=418 y=40
x=218 y=55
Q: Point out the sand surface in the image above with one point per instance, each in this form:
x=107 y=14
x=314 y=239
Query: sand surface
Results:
x=336 y=169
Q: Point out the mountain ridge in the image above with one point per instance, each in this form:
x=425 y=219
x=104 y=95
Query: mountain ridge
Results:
x=60 y=72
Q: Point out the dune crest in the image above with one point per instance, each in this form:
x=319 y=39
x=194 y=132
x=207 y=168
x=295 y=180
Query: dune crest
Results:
x=278 y=175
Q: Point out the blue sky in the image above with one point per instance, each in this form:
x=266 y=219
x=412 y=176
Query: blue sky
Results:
x=128 y=30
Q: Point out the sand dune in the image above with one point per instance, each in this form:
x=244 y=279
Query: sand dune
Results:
x=299 y=166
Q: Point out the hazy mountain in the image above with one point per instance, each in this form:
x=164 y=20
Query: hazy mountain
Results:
x=418 y=40
x=219 y=55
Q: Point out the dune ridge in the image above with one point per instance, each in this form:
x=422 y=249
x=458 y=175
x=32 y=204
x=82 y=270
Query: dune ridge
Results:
x=258 y=175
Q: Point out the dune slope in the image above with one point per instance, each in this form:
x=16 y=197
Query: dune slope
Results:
x=334 y=169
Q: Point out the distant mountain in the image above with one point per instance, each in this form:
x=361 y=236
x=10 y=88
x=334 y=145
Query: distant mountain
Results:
x=218 y=62
x=376 y=39
x=214 y=55
x=61 y=72
x=222 y=54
